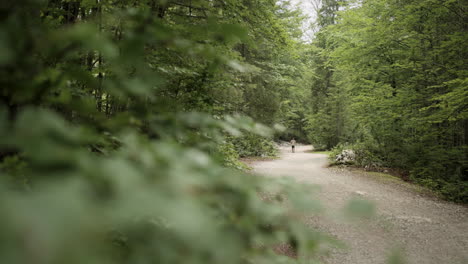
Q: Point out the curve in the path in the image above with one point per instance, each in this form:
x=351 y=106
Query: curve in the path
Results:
x=429 y=230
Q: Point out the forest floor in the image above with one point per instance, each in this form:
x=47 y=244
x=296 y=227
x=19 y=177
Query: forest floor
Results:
x=426 y=229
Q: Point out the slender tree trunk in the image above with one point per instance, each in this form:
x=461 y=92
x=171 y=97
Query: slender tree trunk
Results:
x=100 y=62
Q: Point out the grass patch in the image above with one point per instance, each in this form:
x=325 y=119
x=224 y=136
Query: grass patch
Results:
x=387 y=177
x=326 y=152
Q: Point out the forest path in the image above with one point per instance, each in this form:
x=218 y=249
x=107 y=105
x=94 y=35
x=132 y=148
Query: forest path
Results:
x=429 y=230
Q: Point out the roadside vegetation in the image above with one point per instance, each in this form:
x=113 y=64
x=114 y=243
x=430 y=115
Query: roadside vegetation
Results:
x=390 y=83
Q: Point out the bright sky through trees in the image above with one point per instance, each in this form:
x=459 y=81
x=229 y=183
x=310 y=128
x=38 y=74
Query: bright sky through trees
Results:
x=309 y=8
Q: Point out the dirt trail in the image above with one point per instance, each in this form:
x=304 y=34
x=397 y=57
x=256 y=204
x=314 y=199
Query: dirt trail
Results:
x=429 y=230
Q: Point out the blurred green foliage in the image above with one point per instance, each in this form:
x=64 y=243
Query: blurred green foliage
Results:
x=119 y=121
x=252 y=145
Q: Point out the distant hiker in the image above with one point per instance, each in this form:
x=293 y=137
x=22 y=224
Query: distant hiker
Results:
x=293 y=145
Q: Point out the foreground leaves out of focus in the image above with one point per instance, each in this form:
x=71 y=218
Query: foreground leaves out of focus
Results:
x=120 y=133
x=105 y=160
x=149 y=200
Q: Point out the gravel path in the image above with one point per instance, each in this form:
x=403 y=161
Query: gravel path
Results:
x=428 y=230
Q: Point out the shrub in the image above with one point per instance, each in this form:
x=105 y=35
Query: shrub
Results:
x=252 y=145
x=229 y=155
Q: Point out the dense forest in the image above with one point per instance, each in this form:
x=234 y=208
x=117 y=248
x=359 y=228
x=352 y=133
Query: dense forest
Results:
x=390 y=81
x=122 y=122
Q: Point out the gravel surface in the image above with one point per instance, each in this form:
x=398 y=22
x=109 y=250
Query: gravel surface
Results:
x=426 y=229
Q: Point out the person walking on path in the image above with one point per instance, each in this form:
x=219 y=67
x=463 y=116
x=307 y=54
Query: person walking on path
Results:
x=293 y=145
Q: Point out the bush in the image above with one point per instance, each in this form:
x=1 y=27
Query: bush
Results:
x=229 y=156
x=363 y=157
x=252 y=145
